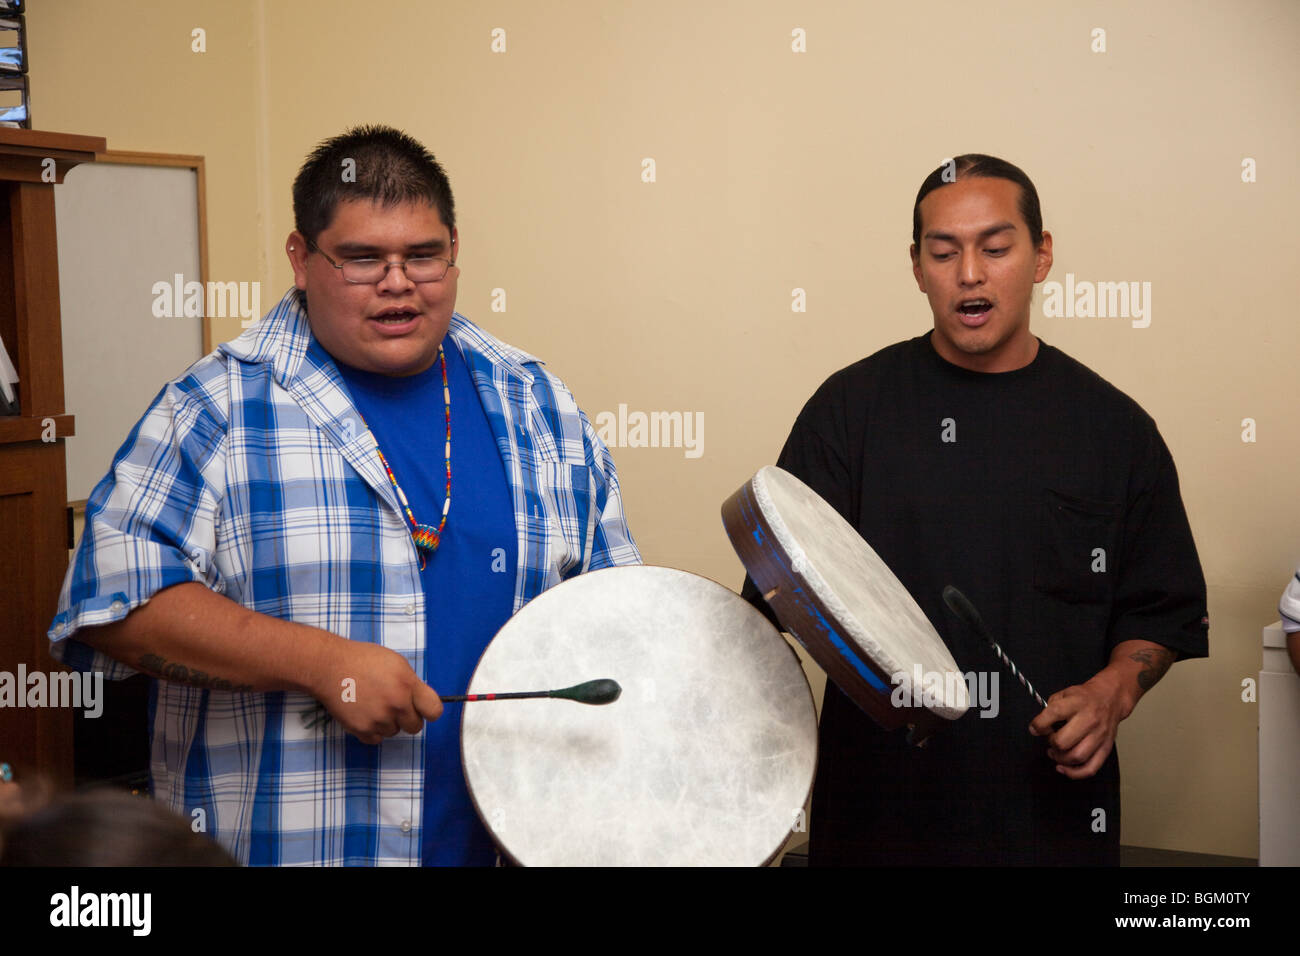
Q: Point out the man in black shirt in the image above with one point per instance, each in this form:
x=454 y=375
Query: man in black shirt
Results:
x=979 y=456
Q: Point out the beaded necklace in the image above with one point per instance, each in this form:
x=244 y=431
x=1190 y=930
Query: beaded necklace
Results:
x=427 y=538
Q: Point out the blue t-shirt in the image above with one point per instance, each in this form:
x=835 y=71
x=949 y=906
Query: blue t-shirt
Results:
x=469 y=582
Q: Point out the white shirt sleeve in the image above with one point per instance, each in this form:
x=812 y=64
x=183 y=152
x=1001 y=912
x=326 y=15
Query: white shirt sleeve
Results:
x=1289 y=606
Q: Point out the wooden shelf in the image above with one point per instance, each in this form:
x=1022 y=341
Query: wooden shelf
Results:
x=15 y=428
x=23 y=153
x=33 y=475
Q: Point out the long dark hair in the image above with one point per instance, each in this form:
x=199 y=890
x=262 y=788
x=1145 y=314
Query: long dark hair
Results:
x=977 y=165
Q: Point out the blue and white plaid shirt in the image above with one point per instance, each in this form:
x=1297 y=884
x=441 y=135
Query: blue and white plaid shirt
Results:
x=253 y=474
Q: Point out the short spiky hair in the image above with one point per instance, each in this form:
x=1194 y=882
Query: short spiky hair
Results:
x=388 y=167
x=979 y=166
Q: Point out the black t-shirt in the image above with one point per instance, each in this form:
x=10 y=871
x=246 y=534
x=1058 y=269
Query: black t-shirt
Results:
x=1049 y=498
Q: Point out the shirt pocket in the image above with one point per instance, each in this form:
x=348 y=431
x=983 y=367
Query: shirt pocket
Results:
x=566 y=491
x=1074 y=554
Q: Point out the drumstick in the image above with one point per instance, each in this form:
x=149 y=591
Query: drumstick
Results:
x=603 y=691
x=960 y=605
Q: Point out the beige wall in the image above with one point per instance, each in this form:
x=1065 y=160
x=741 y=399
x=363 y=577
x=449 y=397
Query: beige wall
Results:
x=778 y=170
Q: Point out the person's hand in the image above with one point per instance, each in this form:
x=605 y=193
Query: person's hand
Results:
x=11 y=799
x=1091 y=713
x=373 y=693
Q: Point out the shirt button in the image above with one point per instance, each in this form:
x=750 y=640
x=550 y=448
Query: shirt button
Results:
x=116 y=606
x=410 y=609
x=59 y=628
x=406 y=826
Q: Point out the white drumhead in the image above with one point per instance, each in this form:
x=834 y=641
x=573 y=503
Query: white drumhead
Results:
x=706 y=758
x=857 y=587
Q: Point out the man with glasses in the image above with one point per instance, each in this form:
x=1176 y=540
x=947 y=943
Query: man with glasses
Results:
x=276 y=541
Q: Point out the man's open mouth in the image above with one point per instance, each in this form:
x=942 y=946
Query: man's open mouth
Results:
x=395 y=316
x=974 y=306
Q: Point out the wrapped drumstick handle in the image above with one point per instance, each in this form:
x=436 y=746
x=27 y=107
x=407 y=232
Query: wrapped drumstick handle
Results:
x=596 y=692
x=603 y=691
x=960 y=605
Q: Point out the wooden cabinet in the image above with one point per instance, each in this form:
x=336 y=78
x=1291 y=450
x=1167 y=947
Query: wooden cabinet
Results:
x=33 y=493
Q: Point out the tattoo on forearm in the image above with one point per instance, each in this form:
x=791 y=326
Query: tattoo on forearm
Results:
x=180 y=674
x=1154 y=661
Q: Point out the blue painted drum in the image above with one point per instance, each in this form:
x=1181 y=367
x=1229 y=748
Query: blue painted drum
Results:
x=842 y=603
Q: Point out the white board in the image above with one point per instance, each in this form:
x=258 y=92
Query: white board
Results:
x=121 y=228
